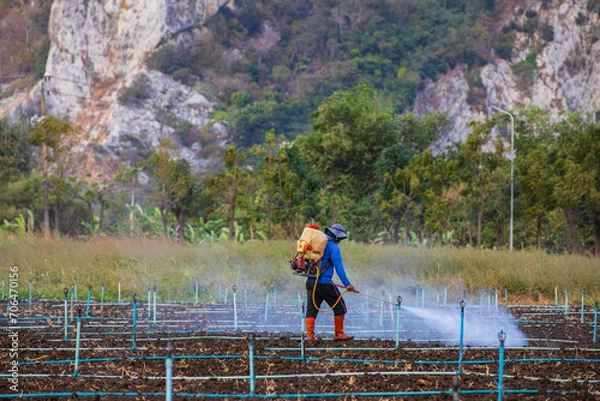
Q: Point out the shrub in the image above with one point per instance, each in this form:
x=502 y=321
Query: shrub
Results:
x=505 y=45
x=135 y=95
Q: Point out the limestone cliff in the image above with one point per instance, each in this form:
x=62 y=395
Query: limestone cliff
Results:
x=98 y=47
x=565 y=78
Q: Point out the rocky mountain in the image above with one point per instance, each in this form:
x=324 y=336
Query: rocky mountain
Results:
x=98 y=49
x=562 y=78
x=96 y=74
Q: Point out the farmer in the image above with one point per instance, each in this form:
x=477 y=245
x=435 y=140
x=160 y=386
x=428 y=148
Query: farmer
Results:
x=325 y=290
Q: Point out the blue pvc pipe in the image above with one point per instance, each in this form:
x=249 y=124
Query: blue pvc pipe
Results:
x=582 y=303
x=149 y=291
x=502 y=338
x=462 y=332
x=72 y=299
x=66 y=338
x=119 y=290
x=251 y=363
x=3 y=285
x=134 y=324
x=399 y=299
x=302 y=329
x=267 y=305
x=30 y=291
x=102 y=299
x=89 y=298
x=169 y=372
x=154 y=308
x=235 y=319
x=76 y=372
x=595 y=319
x=196 y=291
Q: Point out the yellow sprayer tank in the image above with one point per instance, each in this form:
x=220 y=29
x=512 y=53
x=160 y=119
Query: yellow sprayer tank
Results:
x=312 y=242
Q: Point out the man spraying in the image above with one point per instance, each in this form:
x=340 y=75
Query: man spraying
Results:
x=322 y=288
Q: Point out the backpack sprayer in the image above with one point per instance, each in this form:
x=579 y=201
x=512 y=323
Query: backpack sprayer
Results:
x=309 y=251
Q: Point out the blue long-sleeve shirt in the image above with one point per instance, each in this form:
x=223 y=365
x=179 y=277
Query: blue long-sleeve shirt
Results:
x=332 y=256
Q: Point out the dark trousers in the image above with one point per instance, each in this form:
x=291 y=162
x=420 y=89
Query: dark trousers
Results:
x=324 y=292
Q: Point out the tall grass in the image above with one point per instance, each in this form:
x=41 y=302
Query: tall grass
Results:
x=55 y=263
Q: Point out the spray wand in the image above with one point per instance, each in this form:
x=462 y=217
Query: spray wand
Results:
x=367 y=295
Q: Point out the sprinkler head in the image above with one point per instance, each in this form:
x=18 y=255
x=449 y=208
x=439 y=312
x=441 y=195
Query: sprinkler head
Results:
x=502 y=337
x=135 y=298
x=169 y=348
x=234 y=288
x=596 y=304
x=462 y=305
x=154 y=287
x=66 y=292
x=90 y=287
x=251 y=337
x=79 y=311
x=399 y=299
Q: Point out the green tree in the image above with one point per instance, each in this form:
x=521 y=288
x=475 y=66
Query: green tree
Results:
x=578 y=190
x=223 y=192
x=174 y=185
x=351 y=130
x=130 y=175
x=46 y=134
x=436 y=175
x=480 y=171
x=399 y=191
x=537 y=176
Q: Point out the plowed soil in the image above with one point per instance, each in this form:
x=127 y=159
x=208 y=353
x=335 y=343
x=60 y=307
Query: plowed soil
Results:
x=560 y=362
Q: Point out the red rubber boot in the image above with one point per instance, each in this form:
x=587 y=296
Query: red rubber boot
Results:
x=310 y=328
x=339 y=329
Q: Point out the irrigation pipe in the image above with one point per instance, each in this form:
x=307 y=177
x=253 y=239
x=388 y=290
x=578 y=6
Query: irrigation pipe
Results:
x=76 y=371
x=291 y=396
x=502 y=338
x=291 y=376
x=89 y=298
x=133 y=347
x=169 y=372
x=66 y=324
x=595 y=320
x=462 y=331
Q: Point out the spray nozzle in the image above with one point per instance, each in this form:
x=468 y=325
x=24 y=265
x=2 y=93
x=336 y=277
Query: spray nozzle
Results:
x=596 y=304
x=399 y=299
x=502 y=337
x=234 y=288
x=462 y=305
x=135 y=298
x=251 y=337
x=66 y=292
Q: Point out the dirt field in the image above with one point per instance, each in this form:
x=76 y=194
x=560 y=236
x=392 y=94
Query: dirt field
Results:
x=213 y=356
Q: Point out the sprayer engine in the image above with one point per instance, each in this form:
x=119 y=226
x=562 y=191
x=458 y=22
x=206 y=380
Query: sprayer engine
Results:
x=304 y=267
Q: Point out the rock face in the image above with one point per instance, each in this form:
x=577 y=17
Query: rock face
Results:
x=99 y=47
x=565 y=78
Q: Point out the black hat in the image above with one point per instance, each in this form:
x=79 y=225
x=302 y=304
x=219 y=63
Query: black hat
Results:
x=338 y=231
